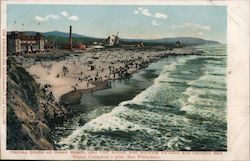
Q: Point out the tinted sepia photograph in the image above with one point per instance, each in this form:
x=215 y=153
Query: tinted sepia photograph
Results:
x=148 y=80
x=116 y=77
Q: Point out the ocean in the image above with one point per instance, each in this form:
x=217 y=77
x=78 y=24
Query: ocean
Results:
x=176 y=103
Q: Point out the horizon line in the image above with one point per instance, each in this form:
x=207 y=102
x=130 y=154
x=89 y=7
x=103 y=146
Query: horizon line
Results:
x=123 y=38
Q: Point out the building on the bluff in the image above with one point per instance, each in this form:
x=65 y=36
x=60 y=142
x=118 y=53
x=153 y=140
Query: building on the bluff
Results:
x=24 y=42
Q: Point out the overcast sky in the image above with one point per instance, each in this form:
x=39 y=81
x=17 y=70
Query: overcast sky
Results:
x=132 y=21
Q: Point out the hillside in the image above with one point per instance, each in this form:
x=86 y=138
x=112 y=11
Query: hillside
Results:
x=62 y=37
x=62 y=34
x=31 y=113
x=182 y=40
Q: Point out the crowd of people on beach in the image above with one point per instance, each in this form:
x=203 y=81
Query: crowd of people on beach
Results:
x=93 y=68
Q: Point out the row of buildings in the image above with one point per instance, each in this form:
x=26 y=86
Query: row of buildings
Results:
x=32 y=42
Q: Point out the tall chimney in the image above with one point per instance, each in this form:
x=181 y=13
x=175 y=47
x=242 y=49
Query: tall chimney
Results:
x=70 y=37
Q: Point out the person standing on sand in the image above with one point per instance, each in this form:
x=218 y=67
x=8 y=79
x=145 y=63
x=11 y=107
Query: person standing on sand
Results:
x=65 y=70
x=109 y=69
x=74 y=86
x=100 y=79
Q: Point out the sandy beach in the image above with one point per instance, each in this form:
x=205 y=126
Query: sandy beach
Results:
x=88 y=71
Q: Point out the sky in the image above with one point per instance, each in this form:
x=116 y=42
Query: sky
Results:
x=131 y=21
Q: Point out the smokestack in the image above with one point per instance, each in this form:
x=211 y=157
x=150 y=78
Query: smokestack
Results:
x=70 y=37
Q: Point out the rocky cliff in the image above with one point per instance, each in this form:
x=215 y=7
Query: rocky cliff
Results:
x=31 y=112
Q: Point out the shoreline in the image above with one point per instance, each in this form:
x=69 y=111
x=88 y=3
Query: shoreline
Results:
x=74 y=97
x=108 y=64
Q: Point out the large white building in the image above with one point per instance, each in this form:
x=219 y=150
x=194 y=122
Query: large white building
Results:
x=112 y=40
x=22 y=42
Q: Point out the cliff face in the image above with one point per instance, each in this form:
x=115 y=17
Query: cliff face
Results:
x=31 y=113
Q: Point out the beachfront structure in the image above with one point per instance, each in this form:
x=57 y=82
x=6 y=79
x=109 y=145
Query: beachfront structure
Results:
x=112 y=40
x=141 y=44
x=96 y=45
x=25 y=42
x=70 y=37
x=178 y=43
x=49 y=44
x=70 y=45
x=77 y=46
